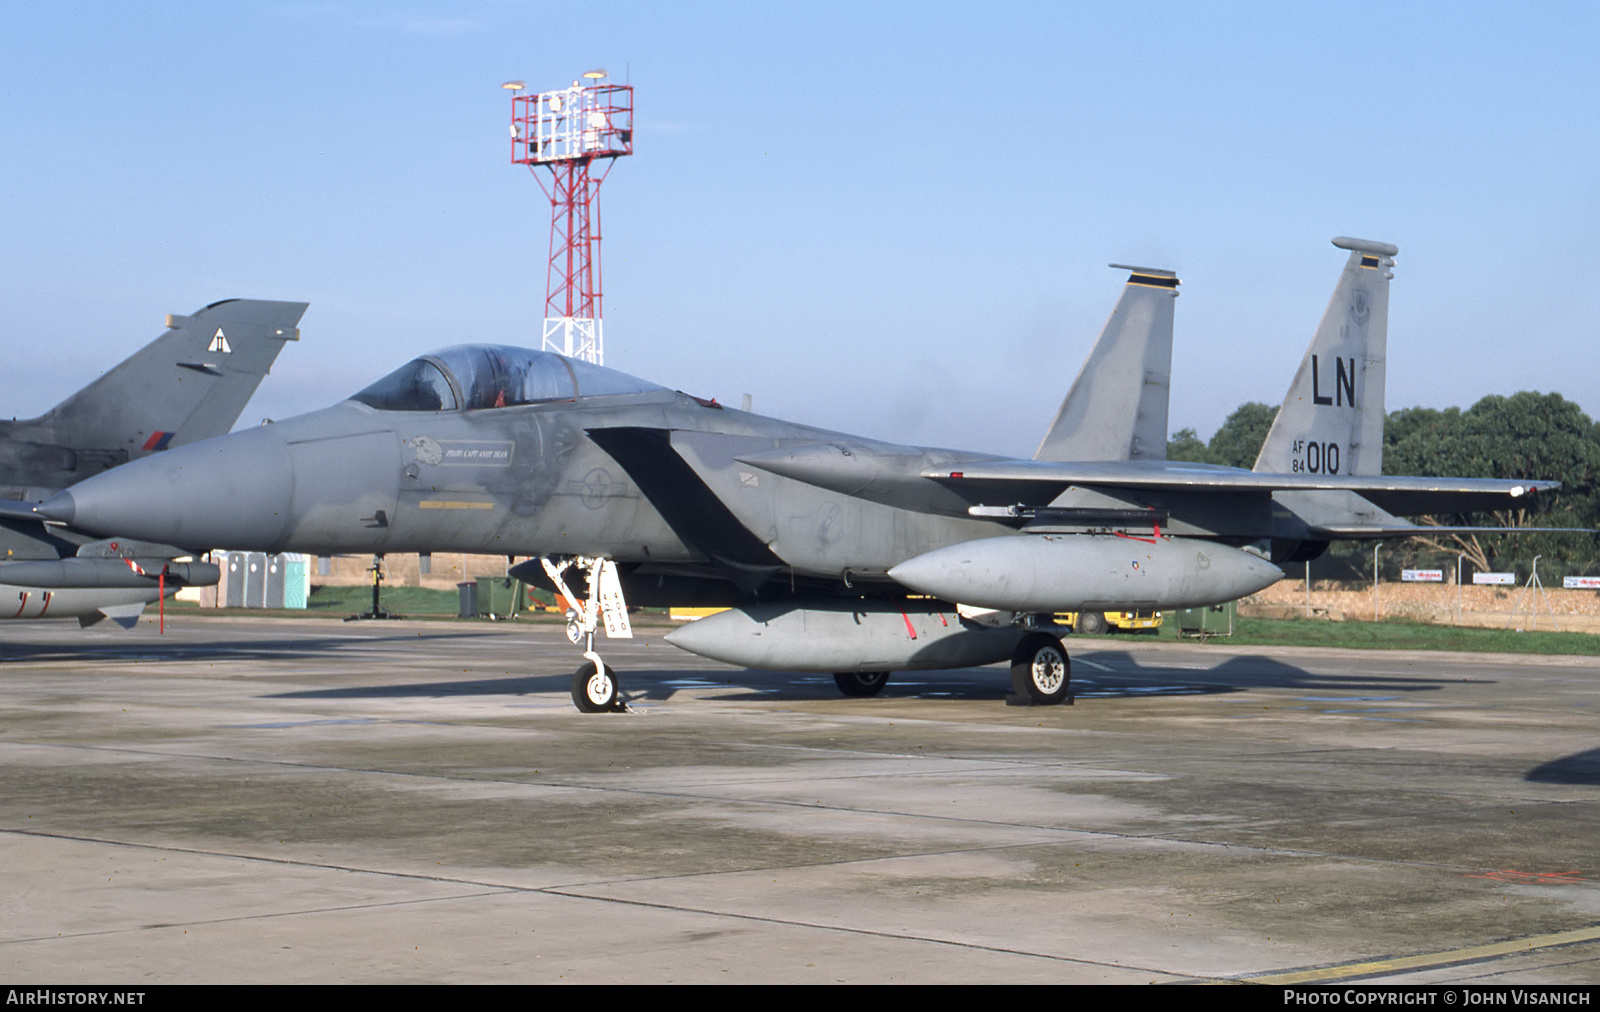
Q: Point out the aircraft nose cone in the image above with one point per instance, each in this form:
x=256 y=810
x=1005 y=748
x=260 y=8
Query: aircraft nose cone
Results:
x=228 y=492
x=1230 y=574
x=1259 y=574
x=60 y=506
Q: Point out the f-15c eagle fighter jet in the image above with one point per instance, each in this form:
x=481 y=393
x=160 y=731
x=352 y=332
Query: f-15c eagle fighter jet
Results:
x=834 y=553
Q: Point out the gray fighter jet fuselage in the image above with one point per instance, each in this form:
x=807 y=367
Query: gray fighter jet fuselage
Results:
x=567 y=458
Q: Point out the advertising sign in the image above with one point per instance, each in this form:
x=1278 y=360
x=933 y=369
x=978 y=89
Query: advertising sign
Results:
x=1422 y=575
x=1506 y=579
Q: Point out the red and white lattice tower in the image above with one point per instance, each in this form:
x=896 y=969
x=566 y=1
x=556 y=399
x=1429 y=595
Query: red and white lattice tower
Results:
x=576 y=133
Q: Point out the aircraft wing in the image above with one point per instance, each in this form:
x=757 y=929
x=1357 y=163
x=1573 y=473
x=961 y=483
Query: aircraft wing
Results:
x=943 y=481
x=1404 y=495
x=1380 y=532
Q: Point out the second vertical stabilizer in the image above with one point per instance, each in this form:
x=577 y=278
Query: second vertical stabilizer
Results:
x=1117 y=407
x=191 y=383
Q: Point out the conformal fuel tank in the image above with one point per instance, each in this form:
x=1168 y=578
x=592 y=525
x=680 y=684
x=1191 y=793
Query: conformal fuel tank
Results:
x=1086 y=572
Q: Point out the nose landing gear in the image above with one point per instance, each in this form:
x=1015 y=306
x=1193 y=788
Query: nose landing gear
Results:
x=594 y=686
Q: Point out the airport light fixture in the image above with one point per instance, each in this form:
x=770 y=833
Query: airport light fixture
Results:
x=575 y=135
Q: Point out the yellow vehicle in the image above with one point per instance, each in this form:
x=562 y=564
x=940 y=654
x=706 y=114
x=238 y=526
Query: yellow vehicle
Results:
x=1096 y=623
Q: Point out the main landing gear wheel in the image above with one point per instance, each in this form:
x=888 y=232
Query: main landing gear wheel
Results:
x=861 y=683
x=1040 y=670
x=594 y=688
x=1092 y=623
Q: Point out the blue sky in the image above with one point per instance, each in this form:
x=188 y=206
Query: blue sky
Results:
x=891 y=219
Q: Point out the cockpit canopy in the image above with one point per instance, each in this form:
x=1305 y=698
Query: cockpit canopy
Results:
x=472 y=376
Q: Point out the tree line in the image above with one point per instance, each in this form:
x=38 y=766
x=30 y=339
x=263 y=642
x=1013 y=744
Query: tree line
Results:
x=1526 y=435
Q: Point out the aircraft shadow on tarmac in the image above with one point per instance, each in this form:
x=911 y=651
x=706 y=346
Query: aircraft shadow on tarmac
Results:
x=1235 y=674
x=518 y=685
x=1581 y=768
x=216 y=650
x=1095 y=675
x=1101 y=674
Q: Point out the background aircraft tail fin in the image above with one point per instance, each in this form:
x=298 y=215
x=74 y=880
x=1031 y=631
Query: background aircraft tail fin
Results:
x=1331 y=421
x=191 y=383
x=1117 y=407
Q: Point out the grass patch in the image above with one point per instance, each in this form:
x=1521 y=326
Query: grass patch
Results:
x=1396 y=635
x=400 y=600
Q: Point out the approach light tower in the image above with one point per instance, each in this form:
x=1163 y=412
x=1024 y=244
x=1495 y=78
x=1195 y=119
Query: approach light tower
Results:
x=577 y=133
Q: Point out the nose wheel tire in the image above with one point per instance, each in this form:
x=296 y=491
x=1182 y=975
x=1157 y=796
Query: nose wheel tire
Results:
x=1040 y=670
x=594 y=688
x=861 y=683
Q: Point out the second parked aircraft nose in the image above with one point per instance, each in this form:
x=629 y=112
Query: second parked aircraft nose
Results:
x=229 y=492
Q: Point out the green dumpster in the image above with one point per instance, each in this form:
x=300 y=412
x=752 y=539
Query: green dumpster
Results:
x=497 y=596
x=1203 y=623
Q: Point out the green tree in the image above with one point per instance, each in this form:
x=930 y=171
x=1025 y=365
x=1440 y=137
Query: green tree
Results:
x=1185 y=445
x=1238 y=442
x=1526 y=435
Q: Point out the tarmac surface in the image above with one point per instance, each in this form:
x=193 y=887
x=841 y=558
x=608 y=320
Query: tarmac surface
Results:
x=269 y=800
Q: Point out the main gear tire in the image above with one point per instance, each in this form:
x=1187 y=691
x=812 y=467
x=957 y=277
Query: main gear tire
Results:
x=1041 y=670
x=594 y=688
x=861 y=683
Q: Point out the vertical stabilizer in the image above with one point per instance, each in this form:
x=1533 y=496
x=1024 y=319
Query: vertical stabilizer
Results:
x=191 y=383
x=1117 y=407
x=1331 y=422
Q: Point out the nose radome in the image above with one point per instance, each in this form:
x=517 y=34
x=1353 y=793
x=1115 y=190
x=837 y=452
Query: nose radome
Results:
x=228 y=492
x=60 y=506
x=1260 y=574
